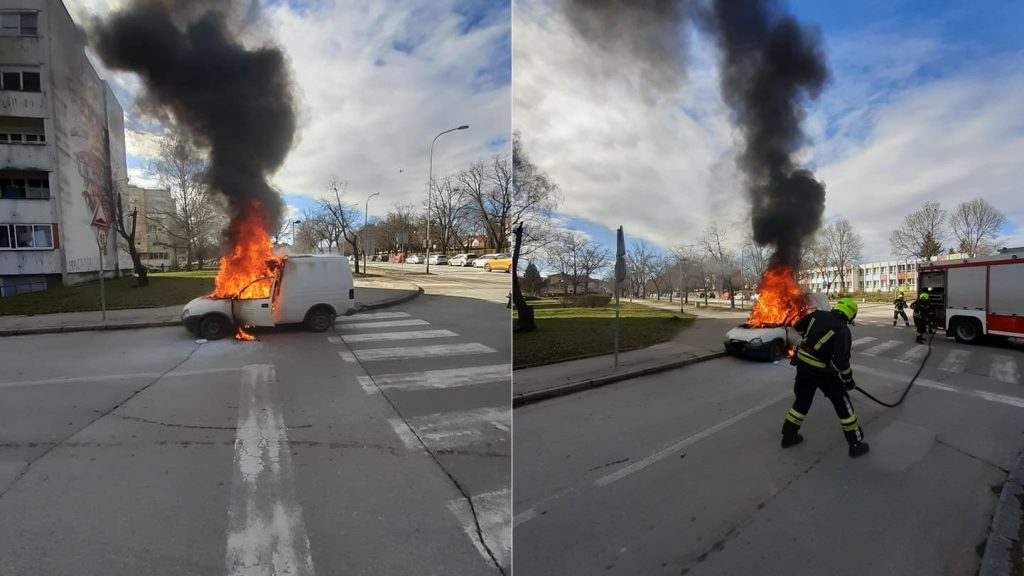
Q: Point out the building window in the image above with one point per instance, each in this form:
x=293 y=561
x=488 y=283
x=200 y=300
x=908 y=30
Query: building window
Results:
x=26 y=237
x=19 y=24
x=17 y=185
x=20 y=79
x=18 y=130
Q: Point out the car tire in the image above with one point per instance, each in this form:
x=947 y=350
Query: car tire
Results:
x=776 y=351
x=319 y=319
x=214 y=327
x=967 y=331
x=487 y=267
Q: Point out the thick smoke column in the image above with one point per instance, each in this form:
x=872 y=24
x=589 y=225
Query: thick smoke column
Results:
x=769 y=63
x=235 y=100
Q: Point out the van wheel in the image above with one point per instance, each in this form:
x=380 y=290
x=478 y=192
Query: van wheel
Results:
x=213 y=327
x=319 y=319
x=967 y=331
x=777 y=350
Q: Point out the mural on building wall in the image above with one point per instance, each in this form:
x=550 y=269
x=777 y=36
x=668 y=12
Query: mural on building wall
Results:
x=92 y=166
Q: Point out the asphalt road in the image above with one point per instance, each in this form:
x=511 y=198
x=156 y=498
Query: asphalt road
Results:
x=682 y=473
x=346 y=452
x=452 y=280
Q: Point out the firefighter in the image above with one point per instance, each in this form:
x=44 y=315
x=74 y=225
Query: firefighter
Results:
x=823 y=362
x=924 y=316
x=898 y=305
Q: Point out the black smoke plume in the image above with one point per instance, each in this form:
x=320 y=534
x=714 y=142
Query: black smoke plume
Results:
x=234 y=100
x=769 y=64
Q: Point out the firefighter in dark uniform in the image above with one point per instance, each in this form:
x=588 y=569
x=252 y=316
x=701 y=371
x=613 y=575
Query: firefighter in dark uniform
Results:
x=823 y=362
x=898 y=305
x=924 y=316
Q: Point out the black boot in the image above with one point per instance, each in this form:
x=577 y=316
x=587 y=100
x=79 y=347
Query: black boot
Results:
x=859 y=449
x=791 y=439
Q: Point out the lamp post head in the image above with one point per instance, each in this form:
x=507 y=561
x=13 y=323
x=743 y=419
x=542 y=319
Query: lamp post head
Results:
x=463 y=127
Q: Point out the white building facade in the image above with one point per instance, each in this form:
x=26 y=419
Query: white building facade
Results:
x=62 y=153
x=153 y=241
x=888 y=276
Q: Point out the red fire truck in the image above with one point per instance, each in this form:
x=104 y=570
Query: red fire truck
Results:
x=978 y=297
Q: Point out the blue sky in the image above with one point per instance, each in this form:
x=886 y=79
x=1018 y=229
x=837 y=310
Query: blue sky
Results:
x=374 y=82
x=923 y=104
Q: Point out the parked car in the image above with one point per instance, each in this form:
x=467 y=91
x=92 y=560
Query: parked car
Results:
x=502 y=262
x=311 y=290
x=462 y=260
x=414 y=259
x=481 y=260
x=438 y=259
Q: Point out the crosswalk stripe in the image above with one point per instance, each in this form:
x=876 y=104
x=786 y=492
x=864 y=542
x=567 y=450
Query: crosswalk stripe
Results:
x=347 y=356
x=410 y=335
x=1004 y=368
x=494 y=516
x=914 y=355
x=371 y=316
x=448 y=430
x=863 y=340
x=955 y=361
x=883 y=347
x=384 y=324
x=437 y=379
x=406 y=352
x=334 y=339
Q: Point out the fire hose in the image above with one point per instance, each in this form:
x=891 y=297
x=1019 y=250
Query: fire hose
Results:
x=931 y=331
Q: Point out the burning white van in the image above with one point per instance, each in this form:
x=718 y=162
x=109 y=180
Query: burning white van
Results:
x=770 y=342
x=311 y=290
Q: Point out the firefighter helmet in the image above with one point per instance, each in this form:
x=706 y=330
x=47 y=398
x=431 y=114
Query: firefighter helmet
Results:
x=924 y=296
x=848 y=307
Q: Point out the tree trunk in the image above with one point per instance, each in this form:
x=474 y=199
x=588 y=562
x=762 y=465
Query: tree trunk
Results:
x=526 y=320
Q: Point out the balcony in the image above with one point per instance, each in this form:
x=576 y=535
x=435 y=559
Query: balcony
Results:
x=26 y=157
x=25 y=104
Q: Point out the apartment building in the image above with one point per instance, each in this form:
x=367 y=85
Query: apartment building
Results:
x=62 y=153
x=153 y=227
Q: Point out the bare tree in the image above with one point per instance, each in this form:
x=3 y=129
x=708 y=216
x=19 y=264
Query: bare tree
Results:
x=534 y=198
x=640 y=259
x=755 y=258
x=345 y=216
x=451 y=209
x=488 y=187
x=192 y=223
x=922 y=233
x=843 y=246
x=976 y=225
x=715 y=244
x=577 y=258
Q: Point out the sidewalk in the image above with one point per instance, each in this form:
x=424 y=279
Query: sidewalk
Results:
x=371 y=293
x=700 y=341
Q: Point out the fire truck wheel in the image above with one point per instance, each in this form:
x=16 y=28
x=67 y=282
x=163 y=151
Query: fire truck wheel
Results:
x=319 y=319
x=213 y=327
x=967 y=331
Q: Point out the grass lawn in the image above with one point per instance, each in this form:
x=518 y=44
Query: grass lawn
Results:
x=165 y=289
x=568 y=333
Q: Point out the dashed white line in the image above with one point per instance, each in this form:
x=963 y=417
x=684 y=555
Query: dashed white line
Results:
x=955 y=361
x=448 y=430
x=883 y=347
x=384 y=324
x=1004 y=368
x=914 y=355
x=863 y=340
x=266 y=534
x=386 y=336
x=1014 y=401
x=437 y=379
x=406 y=352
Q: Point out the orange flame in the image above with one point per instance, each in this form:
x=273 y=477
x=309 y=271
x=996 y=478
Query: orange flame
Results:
x=241 y=334
x=251 y=258
x=781 y=301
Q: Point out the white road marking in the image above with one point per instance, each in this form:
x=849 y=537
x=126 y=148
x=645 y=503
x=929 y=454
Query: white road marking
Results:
x=371 y=316
x=494 y=514
x=955 y=361
x=1004 y=369
x=437 y=379
x=410 y=335
x=883 y=347
x=914 y=355
x=405 y=352
x=334 y=339
x=677 y=446
x=523 y=517
x=115 y=377
x=1014 y=401
x=448 y=430
x=347 y=356
x=863 y=340
x=266 y=534
x=384 y=324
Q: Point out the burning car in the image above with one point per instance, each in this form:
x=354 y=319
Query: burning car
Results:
x=768 y=333
x=310 y=290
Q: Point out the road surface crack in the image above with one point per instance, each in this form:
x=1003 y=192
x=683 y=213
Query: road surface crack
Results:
x=942 y=442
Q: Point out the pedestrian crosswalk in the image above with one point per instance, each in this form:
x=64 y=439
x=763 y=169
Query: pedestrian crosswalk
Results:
x=980 y=361
x=380 y=341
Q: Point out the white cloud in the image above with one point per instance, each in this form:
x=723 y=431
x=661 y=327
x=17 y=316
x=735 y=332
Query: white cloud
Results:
x=375 y=82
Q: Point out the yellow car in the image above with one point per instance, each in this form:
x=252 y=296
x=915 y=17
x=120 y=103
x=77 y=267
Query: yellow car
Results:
x=501 y=262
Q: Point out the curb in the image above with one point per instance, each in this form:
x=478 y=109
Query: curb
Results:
x=519 y=400
x=88 y=327
x=1004 y=537
x=392 y=302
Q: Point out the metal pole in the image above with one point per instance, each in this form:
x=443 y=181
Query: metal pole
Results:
x=430 y=185
x=366 y=218
x=103 y=294
x=615 y=326
x=681 y=288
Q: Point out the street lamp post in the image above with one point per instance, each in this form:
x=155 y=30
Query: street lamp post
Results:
x=293 y=231
x=366 y=218
x=430 y=184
